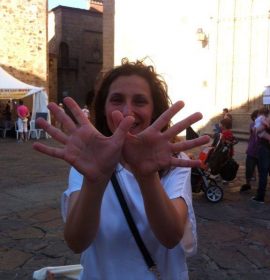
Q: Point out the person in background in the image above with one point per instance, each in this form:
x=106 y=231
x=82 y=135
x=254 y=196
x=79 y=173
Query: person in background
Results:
x=61 y=106
x=23 y=114
x=86 y=111
x=132 y=138
x=262 y=129
x=1 y=108
x=225 y=115
x=7 y=112
x=251 y=154
x=262 y=122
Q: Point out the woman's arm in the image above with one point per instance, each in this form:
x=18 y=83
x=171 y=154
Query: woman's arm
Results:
x=147 y=153
x=94 y=156
x=166 y=217
x=83 y=215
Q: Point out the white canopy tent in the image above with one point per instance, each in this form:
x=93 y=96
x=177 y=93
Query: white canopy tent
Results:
x=12 y=88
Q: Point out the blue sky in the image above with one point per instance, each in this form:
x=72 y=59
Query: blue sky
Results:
x=70 y=3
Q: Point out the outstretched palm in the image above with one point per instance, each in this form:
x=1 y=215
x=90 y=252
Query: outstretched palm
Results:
x=152 y=150
x=83 y=146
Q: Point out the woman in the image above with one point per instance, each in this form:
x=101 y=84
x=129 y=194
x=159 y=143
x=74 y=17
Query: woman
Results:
x=132 y=137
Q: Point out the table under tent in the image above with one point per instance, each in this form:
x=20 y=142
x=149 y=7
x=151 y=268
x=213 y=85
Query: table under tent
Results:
x=36 y=99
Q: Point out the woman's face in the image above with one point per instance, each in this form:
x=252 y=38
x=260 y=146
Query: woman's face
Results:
x=131 y=96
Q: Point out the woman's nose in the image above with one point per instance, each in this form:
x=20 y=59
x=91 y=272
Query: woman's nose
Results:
x=127 y=110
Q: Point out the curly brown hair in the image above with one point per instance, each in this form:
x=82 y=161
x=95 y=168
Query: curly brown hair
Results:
x=158 y=88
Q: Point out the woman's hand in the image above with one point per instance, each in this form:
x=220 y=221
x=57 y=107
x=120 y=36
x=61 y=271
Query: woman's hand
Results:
x=91 y=153
x=153 y=150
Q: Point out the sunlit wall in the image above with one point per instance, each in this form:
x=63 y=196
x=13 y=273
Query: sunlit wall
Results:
x=230 y=70
x=165 y=33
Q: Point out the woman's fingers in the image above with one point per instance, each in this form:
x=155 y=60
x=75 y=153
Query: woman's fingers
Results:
x=166 y=117
x=50 y=151
x=186 y=145
x=62 y=117
x=123 y=127
x=117 y=117
x=182 y=125
x=76 y=111
x=185 y=162
x=53 y=131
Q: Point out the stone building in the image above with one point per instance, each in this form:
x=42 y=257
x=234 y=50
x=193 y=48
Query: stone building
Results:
x=75 y=51
x=23 y=46
x=60 y=50
x=213 y=53
x=213 y=56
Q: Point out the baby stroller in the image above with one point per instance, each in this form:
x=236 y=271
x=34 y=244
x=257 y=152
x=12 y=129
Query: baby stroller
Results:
x=202 y=181
x=216 y=160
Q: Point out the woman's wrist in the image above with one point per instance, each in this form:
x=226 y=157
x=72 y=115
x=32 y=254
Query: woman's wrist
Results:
x=148 y=179
x=98 y=182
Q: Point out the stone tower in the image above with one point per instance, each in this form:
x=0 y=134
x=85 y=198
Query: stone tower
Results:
x=75 y=52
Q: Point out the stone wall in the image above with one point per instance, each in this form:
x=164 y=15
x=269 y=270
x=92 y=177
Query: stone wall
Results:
x=240 y=34
x=75 y=51
x=108 y=34
x=23 y=46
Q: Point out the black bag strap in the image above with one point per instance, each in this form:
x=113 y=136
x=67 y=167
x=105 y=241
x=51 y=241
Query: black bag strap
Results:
x=147 y=257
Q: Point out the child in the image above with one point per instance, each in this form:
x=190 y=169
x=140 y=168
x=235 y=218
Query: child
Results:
x=227 y=135
x=225 y=115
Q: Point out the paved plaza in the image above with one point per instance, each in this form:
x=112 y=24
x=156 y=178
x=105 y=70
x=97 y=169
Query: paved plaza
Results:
x=233 y=234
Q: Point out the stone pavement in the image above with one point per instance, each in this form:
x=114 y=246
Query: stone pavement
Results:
x=233 y=234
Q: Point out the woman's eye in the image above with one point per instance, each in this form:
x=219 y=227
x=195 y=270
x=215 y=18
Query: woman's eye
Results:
x=141 y=101
x=116 y=99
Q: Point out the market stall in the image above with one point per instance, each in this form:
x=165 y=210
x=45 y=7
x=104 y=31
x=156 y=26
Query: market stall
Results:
x=14 y=89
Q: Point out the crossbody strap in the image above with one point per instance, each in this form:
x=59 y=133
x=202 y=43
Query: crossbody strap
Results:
x=147 y=257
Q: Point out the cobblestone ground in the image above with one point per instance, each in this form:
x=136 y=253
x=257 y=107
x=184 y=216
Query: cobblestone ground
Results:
x=233 y=234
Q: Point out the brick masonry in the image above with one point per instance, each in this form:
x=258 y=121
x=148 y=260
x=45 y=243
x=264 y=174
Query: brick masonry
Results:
x=75 y=52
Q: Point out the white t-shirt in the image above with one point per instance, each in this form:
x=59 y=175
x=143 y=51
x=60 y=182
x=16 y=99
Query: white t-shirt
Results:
x=259 y=121
x=114 y=254
x=266 y=96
